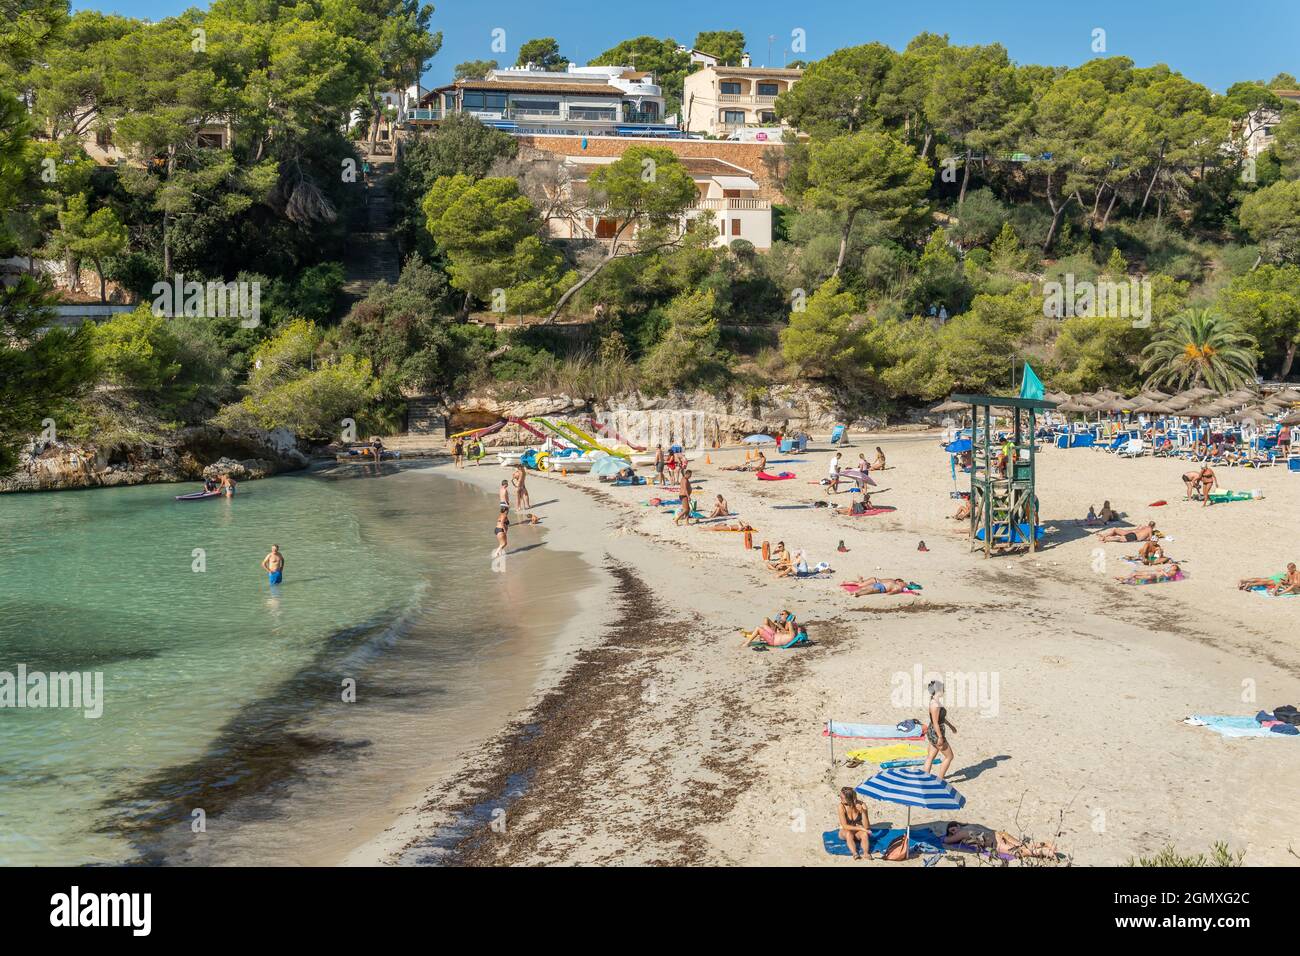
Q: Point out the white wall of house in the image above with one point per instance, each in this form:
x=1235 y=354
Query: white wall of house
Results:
x=719 y=101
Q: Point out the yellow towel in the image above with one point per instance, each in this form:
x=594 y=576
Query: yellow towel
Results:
x=887 y=752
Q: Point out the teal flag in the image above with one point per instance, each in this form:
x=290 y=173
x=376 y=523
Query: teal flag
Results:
x=1030 y=385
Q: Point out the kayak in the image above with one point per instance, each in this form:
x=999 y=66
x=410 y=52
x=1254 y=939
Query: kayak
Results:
x=198 y=495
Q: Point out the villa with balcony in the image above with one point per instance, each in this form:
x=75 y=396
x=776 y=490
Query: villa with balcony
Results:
x=584 y=101
x=726 y=191
x=736 y=102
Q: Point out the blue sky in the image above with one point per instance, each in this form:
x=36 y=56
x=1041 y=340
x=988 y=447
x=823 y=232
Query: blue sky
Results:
x=1213 y=43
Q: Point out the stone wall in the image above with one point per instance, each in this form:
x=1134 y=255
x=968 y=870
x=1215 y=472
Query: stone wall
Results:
x=689 y=418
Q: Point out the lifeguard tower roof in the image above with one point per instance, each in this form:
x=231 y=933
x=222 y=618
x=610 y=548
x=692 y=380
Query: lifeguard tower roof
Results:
x=1005 y=401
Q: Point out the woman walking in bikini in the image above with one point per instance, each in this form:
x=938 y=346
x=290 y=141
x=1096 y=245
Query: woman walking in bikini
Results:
x=936 y=731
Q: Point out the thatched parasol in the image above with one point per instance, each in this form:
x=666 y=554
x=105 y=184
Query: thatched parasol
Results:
x=1253 y=416
x=1152 y=407
x=950 y=406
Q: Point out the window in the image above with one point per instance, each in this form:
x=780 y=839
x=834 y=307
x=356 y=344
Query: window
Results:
x=212 y=140
x=541 y=107
x=733 y=117
x=735 y=227
x=729 y=87
x=103 y=137
x=768 y=89
x=484 y=101
x=767 y=116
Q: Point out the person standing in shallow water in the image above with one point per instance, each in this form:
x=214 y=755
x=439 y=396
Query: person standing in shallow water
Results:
x=273 y=565
x=522 y=501
x=502 y=531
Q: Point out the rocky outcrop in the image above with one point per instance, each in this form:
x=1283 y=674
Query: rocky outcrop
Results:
x=687 y=417
x=189 y=455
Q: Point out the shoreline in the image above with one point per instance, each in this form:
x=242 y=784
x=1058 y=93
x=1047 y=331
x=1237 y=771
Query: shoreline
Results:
x=722 y=749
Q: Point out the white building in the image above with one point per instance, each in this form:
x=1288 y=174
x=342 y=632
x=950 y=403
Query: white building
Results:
x=726 y=191
x=736 y=101
x=584 y=100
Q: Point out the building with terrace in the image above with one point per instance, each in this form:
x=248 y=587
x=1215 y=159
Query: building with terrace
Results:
x=726 y=191
x=583 y=101
x=736 y=102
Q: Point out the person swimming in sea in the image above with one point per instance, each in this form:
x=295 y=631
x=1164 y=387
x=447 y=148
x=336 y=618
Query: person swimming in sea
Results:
x=210 y=485
x=227 y=485
x=273 y=565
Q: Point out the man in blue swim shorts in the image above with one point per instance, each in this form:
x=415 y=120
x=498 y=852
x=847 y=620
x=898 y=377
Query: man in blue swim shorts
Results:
x=273 y=564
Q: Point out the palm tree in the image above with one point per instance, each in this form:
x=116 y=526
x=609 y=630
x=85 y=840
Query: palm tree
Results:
x=1200 y=348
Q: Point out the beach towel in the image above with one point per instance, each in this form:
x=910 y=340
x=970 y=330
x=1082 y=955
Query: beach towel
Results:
x=1229 y=726
x=783 y=476
x=913 y=731
x=886 y=752
x=926 y=841
x=787 y=461
x=629 y=482
x=909 y=762
x=879 y=510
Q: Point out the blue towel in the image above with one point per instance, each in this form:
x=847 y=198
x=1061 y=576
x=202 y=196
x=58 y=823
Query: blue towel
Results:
x=926 y=841
x=875 y=731
x=1230 y=726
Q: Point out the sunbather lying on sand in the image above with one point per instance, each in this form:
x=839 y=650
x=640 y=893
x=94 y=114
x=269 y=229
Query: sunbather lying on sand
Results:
x=1161 y=572
x=1289 y=583
x=757 y=464
x=878 y=586
x=734 y=526
x=973 y=834
x=720 y=509
x=1144 y=532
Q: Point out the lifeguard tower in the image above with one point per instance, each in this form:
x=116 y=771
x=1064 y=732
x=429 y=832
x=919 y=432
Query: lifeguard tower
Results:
x=1003 y=504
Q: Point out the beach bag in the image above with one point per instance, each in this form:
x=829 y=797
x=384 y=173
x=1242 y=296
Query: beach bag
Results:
x=1287 y=714
x=897 y=850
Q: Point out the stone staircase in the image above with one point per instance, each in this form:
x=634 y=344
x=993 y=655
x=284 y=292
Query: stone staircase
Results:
x=372 y=253
x=425 y=417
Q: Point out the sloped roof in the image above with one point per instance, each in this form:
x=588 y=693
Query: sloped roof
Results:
x=582 y=88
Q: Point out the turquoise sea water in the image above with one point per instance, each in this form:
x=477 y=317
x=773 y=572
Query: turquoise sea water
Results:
x=223 y=694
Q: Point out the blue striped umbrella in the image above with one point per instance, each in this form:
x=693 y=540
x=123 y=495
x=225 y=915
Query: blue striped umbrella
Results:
x=912 y=788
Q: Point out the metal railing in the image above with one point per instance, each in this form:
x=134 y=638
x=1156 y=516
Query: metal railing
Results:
x=423 y=115
x=594 y=115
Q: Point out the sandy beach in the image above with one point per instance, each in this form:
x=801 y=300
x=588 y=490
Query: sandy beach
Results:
x=659 y=739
